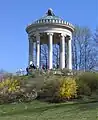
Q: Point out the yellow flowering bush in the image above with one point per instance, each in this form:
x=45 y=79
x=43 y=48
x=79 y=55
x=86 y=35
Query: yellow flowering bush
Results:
x=17 y=89
x=10 y=84
x=68 y=88
x=58 y=88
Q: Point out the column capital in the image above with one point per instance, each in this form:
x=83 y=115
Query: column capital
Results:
x=30 y=39
x=70 y=37
x=63 y=35
x=36 y=34
x=50 y=33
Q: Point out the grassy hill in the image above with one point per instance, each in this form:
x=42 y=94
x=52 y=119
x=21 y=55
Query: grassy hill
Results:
x=43 y=111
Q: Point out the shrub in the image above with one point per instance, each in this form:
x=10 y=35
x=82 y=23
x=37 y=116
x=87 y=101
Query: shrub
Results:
x=57 y=89
x=49 y=89
x=83 y=88
x=88 y=79
x=9 y=85
x=47 y=86
x=29 y=88
x=19 y=88
x=68 y=88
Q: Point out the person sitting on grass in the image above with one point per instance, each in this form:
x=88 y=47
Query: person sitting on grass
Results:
x=32 y=66
x=29 y=69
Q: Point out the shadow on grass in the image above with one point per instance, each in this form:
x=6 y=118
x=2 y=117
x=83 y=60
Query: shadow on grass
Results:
x=78 y=106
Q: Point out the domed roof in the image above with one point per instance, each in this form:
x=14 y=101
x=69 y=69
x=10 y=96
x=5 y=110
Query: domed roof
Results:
x=51 y=18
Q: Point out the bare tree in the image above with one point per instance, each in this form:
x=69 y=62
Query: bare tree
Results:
x=84 y=53
x=96 y=35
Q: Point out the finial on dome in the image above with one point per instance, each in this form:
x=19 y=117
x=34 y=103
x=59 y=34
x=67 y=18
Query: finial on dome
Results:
x=50 y=12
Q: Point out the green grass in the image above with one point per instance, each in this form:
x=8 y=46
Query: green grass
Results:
x=44 y=111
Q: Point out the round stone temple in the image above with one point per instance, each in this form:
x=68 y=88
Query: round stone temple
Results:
x=50 y=29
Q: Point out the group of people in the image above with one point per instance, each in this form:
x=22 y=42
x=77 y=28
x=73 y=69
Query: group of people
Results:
x=43 y=67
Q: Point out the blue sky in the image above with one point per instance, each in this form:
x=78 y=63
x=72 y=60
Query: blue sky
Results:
x=16 y=14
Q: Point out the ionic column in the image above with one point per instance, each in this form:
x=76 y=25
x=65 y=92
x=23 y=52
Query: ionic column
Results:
x=50 y=50
x=62 y=51
x=66 y=55
x=70 y=54
x=37 y=50
x=31 y=50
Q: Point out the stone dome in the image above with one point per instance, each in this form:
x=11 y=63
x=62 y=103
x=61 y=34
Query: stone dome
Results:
x=51 y=18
